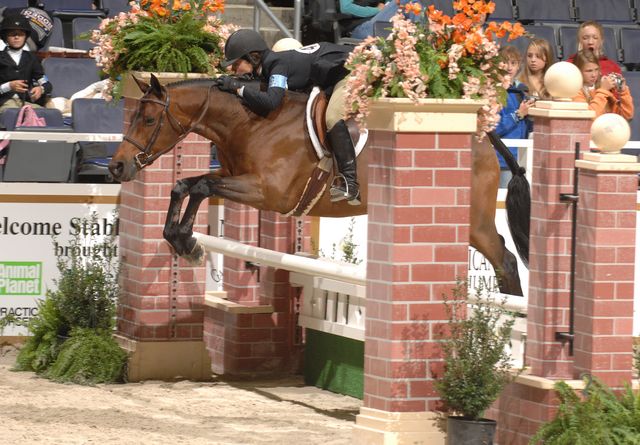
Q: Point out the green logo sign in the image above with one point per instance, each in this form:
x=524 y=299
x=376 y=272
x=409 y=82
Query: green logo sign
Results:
x=20 y=278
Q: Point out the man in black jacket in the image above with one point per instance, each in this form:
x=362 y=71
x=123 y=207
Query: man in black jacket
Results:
x=320 y=64
x=22 y=78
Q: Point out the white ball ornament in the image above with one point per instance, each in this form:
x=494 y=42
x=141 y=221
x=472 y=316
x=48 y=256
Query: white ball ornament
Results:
x=563 y=80
x=285 y=44
x=610 y=132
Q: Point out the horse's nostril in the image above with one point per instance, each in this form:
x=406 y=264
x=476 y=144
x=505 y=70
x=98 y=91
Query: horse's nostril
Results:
x=116 y=168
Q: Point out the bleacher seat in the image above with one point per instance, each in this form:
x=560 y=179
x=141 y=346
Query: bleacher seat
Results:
x=539 y=31
x=630 y=46
x=15 y=3
x=52 y=117
x=445 y=6
x=97 y=116
x=55 y=5
x=70 y=75
x=114 y=7
x=83 y=26
x=545 y=10
x=569 y=42
x=633 y=80
x=505 y=10
x=38 y=161
x=605 y=11
x=56 y=38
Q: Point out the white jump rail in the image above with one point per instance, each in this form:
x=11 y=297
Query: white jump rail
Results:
x=293 y=263
x=60 y=136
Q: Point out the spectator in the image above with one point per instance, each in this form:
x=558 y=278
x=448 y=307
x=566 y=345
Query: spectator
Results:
x=22 y=78
x=514 y=122
x=366 y=29
x=539 y=58
x=604 y=94
x=361 y=10
x=40 y=22
x=591 y=37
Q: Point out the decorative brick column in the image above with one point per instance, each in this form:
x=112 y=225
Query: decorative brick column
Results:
x=160 y=315
x=250 y=327
x=556 y=130
x=606 y=248
x=530 y=401
x=419 y=188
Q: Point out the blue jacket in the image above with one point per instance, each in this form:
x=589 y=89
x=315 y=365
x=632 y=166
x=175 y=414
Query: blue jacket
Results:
x=510 y=127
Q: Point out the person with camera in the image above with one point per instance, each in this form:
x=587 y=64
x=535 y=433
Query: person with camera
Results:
x=604 y=94
x=22 y=78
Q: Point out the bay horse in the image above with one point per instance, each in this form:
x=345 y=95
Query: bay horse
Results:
x=266 y=162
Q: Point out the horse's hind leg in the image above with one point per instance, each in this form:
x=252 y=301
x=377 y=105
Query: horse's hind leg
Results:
x=491 y=245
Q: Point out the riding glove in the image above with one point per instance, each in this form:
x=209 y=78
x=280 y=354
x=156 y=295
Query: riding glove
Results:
x=228 y=83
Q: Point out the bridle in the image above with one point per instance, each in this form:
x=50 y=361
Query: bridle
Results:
x=146 y=155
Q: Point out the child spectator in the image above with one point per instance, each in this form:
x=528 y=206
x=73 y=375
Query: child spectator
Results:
x=362 y=11
x=514 y=122
x=539 y=58
x=22 y=77
x=591 y=37
x=604 y=94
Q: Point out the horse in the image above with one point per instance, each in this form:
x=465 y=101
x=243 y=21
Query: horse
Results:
x=266 y=163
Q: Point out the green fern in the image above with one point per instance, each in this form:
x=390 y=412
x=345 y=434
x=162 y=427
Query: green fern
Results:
x=600 y=418
x=89 y=357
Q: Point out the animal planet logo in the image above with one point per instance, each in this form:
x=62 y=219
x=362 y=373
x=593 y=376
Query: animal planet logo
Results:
x=20 y=278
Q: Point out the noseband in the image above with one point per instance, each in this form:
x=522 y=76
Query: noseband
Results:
x=146 y=155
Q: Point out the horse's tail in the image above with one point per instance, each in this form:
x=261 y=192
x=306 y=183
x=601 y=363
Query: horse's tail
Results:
x=518 y=201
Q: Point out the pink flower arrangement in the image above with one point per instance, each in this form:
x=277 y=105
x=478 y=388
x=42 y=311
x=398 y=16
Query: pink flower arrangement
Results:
x=161 y=36
x=451 y=57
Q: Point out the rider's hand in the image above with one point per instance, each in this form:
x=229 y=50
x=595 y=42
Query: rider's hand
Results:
x=228 y=83
x=19 y=86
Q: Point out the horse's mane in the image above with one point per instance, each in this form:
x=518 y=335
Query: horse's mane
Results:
x=188 y=82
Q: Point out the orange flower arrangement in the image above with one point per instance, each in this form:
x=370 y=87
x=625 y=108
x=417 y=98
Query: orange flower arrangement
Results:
x=448 y=57
x=161 y=35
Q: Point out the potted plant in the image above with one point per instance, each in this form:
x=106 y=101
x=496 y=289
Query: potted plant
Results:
x=477 y=365
x=446 y=58
x=161 y=36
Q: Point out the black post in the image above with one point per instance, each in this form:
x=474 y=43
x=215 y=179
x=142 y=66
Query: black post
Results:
x=573 y=199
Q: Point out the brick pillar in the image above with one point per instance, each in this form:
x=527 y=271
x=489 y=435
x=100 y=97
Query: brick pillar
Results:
x=251 y=326
x=160 y=315
x=606 y=245
x=419 y=188
x=530 y=401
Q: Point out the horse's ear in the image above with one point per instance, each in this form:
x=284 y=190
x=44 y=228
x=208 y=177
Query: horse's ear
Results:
x=144 y=86
x=156 y=88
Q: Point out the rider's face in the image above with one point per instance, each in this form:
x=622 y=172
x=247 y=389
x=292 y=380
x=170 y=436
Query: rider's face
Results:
x=241 y=66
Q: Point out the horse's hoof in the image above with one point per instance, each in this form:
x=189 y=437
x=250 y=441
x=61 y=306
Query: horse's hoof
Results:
x=196 y=256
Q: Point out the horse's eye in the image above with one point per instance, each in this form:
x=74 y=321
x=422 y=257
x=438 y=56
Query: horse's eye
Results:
x=149 y=120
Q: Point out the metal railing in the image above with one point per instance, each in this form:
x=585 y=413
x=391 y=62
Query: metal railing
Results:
x=260 y=6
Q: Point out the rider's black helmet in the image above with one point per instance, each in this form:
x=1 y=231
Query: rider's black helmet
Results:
x=241 y=43
x=12 y=22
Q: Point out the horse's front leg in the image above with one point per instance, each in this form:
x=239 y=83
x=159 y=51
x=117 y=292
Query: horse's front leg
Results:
x=242 y=189
x=170 y=232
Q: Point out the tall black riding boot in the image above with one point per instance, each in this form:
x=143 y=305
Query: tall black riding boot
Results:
x=345 y=185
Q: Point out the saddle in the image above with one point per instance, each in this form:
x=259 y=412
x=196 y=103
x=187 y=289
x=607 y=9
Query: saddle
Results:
x=317 y=128
x=317 y=125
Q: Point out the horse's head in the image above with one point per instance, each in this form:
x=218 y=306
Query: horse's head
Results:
x=154 y=131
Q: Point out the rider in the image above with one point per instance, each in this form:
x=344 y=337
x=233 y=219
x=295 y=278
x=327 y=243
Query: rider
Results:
x=320 y=64
x=22 y=77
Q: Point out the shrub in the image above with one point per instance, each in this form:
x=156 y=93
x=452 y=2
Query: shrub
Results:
x=477 y=364
x=84 y=301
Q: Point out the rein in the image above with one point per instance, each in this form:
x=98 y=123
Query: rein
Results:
x=146 y=155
